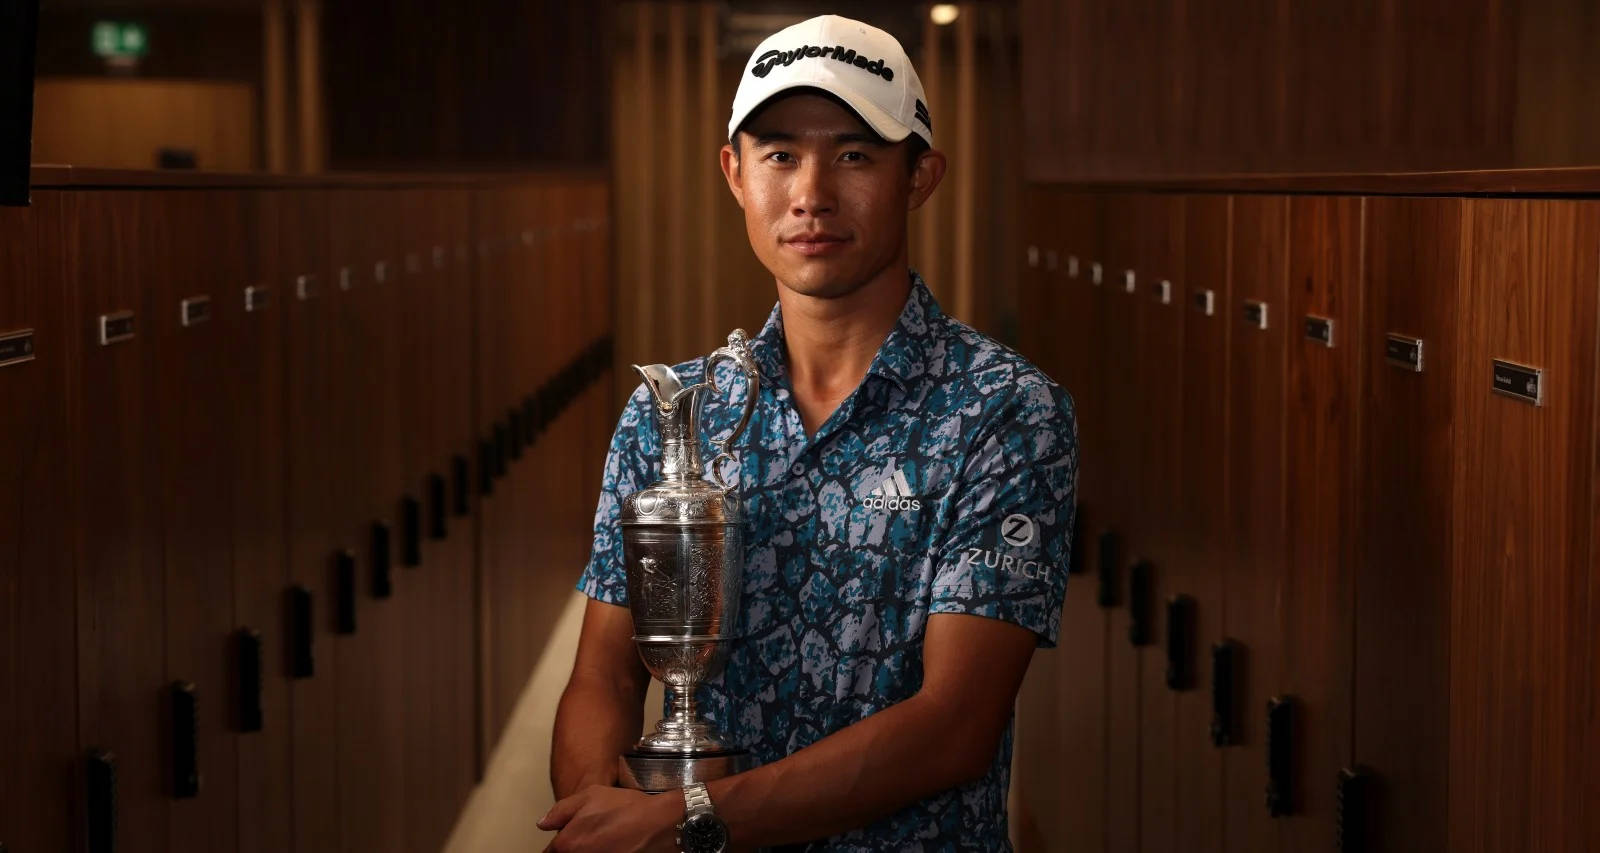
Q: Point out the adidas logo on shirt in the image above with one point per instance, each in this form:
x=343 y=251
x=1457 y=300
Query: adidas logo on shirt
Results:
x=893 y=495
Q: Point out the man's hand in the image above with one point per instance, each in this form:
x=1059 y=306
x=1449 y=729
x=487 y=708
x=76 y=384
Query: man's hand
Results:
x=615 y=820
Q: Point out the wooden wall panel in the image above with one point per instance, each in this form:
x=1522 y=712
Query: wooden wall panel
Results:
x=1252 y=615
x=38 y=639
x=1528 y=294
x=1322 y=471
x=116 y=540
x=177 y=231
x=1200 y=534
x=1403 y=578
x=260 y=559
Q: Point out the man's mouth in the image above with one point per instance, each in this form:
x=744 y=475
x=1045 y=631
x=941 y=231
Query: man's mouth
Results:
x=818 y=243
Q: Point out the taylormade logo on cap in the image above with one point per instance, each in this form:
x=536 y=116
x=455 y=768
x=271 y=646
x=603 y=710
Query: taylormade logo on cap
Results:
x=772 y=58
x=861 y=65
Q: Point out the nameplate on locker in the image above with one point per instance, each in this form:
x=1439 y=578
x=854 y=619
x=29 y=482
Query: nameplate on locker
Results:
x=116 y=327
x=1033 y=257
x=1096 y=273
x=1319 y=329
x=1519 y=381
x=195 y=310
x=1403 y=352
x=1072 y=266
x=16 y=347
x=1163 y=292
x=1128 y=281
x=347 y=278
x=1205 y=301
x=1255 y=313
x=255 y=298
x=305 y=287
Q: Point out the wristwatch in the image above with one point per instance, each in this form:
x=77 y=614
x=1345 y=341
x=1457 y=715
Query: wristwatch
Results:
x=701 y=831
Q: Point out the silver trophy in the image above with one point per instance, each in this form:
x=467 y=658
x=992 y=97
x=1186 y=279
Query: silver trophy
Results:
x=685 y=558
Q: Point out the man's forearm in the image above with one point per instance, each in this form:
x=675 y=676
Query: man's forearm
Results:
x=595 y=722
x=868 y=770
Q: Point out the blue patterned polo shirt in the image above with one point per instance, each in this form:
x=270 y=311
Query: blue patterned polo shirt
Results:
x=943 y=484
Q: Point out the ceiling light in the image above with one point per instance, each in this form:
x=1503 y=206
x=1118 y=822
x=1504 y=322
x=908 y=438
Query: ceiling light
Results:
x=944 y=14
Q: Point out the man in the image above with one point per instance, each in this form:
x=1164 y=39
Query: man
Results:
x=908 y=487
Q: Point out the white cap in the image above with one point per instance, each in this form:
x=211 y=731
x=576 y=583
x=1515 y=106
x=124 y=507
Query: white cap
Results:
x=861 y=65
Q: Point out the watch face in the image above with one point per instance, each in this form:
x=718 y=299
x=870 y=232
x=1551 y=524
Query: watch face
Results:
x=704 y=833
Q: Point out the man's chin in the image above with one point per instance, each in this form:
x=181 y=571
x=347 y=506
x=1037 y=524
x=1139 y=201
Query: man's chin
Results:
x=820 y=284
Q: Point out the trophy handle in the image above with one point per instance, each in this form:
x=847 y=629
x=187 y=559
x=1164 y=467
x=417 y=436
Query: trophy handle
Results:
x=738 y=352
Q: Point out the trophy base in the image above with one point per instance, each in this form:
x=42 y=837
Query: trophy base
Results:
x=656 y=772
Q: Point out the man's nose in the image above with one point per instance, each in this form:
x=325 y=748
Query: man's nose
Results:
x=811 y=194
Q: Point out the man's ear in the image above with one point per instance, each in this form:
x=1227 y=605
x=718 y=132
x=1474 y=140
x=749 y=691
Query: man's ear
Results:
x=730 y=170
x=925 y=177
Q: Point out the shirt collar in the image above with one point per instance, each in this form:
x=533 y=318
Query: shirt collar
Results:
x=900 y=359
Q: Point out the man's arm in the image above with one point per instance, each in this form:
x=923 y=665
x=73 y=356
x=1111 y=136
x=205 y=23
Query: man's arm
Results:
x=943 y=736
x=602 y=709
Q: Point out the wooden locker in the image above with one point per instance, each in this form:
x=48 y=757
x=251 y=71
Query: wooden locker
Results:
x=372 y=750
x=122 y=683
x=40 y=785
x=1256 y=500
x=1117 y=453
x=1327 y=342
x=255 y=396
x=1153 y=526
x=1524 y=522
x=309 y=323
x=1201 y=530
x=182 y=273
x=1403 y=577
x=1073 y=359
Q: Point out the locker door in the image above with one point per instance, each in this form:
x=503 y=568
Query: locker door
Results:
x=259 y=476
x=39 y=786
x=178 y=267
x=1256 y=366
x=1201 y=530
x=1121 y=340
x=372 y=750
x=1322 y=428
x=1153 y=527
x=117 y=539
x=1403 y=578
x=309 y=321
x=1074 y=359
x=1524 y=515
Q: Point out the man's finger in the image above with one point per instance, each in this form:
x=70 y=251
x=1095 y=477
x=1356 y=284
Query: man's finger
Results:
x=561 y=812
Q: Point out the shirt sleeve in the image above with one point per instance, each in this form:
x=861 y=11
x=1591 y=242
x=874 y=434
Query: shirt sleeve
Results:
x=1006 y=552
x=633 y=443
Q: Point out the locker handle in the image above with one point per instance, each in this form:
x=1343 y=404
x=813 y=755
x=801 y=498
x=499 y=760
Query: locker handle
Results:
x=437 y=510
x=1180 y=642
x=530 y=426
x=382 y=568
x=410 y=532
x=248 y=648
x=514 y=431
x=502 y=448
x=344 y=575
x=1139 y=582
x=1075 y=553
x=101 y=808
x=1280 y=753
x=1351 y=820
x=302 y=663
x=1109 y=547
x=460 y=477
x=185 y=708
x=485 y=467
x=1222 y=661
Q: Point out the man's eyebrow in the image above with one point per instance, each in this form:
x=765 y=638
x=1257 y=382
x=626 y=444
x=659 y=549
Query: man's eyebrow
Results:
x=773 y=138
x=860 y=139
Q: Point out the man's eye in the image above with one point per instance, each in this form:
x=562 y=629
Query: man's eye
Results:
x=781 y=157
x=853 y=157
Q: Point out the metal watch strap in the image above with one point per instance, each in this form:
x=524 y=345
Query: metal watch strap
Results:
x=696 y=799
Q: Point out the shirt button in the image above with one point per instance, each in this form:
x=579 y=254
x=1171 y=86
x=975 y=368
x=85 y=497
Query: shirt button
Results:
x=797 y=469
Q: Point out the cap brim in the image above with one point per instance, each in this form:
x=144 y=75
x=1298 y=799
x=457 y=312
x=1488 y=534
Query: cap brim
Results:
x=876 y=118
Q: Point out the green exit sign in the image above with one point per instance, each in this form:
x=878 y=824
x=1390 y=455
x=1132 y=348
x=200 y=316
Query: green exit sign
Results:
x=119 y=39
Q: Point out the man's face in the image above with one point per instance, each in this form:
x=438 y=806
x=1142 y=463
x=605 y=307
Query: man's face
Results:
x=825 y=201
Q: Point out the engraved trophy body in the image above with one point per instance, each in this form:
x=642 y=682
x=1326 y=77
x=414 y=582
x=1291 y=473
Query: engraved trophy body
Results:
x=684 y=552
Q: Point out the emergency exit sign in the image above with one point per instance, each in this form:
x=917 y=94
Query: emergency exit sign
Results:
x=119 y=40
